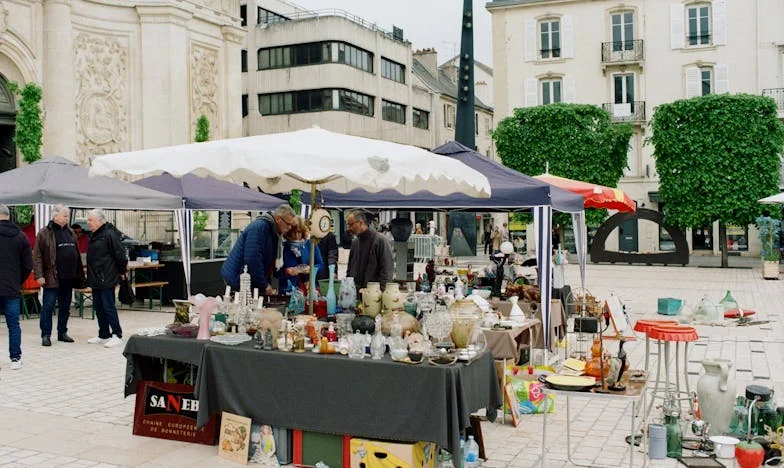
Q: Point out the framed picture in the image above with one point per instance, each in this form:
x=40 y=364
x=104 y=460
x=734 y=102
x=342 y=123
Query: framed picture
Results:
x=234 y=441
x=513 y=403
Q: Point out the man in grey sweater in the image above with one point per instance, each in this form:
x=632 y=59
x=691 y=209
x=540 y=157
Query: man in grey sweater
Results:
x=370 y=259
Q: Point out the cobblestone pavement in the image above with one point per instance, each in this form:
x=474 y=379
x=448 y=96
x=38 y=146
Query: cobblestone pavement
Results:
x=65 y=406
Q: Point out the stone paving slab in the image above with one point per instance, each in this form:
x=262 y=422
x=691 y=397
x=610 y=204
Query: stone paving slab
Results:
x=66 y=406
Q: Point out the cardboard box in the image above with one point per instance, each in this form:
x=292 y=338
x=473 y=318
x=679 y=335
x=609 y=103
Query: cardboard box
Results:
x=369 y=453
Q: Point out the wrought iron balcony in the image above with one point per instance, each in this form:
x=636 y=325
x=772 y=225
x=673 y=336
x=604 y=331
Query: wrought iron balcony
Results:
x=622 y=51
x=777 y=94
x=626 y=112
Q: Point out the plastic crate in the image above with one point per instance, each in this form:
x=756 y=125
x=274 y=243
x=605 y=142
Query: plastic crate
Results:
x=669 y=306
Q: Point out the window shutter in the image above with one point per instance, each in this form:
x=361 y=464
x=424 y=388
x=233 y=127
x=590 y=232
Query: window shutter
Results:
x=693 y=82
x=570 y=89
x=722 y=78
x=530 y=40
x=567 y=41
x=719 y=22
x=531 y=92
x=677 y=34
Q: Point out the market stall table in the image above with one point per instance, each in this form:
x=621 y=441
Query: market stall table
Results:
x=333 y=394
x=144 y=354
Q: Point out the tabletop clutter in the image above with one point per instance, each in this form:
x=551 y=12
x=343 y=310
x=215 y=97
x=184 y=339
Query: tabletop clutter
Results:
x=437 y=320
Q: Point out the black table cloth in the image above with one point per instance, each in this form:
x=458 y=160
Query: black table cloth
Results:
x=143 y=355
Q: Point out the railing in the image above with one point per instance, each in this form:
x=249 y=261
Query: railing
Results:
x=626 y=112
x=698 y=40
x=777 y=94
x=549 y=53
x=309 y=14
x=622 y=51
x=424 y=246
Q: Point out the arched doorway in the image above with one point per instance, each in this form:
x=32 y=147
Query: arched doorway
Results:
x=7 y=126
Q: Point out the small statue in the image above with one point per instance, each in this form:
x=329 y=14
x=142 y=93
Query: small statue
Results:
x=618 y=386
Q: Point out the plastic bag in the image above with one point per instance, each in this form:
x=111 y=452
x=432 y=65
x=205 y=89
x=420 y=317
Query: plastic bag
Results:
x=126 y=294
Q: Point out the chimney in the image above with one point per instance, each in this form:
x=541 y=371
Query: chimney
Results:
x=428 y=58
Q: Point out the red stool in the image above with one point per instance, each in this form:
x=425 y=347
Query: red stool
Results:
x=644 y=326
x=665 y=335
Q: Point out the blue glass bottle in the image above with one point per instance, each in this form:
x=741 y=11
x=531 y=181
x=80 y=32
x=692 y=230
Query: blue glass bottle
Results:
x=332 y=300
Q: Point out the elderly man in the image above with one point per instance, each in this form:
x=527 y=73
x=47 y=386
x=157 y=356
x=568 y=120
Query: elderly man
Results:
x=17 y=262
x=370 y=259
x=58 y=268
x=107 y=263
x=258 y=247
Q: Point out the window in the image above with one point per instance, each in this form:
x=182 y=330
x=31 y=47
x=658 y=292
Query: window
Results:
x=244 y=15
x=698 y=24
x=622 y=31
x=550 y=39
x=393 y=112
x=449 y=115
x=393 y=70
x=356 y=103
x=706 y=81
x=420 y=118
x=267 y=17
x=551 y=91
x=623 y=86
x=244 y=105
x=476 y=124
x=489 y=125
x=311 y=100
x=315 y=53
x=244 y=60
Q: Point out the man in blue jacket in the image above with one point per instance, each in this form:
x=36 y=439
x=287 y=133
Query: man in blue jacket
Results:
x=16 y=259
x=258 y=247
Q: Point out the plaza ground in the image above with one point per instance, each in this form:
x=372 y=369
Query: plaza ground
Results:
x=66 y=406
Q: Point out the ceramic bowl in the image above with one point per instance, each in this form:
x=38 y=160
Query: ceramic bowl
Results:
x=483 y=293
x=398 y=354
x=724 y=446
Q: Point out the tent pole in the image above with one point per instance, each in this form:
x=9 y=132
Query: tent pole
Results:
x=311 y=277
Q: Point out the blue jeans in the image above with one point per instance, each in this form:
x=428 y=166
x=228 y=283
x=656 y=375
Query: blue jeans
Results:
x=106 y=312
x=62 y=294
x=11 y=306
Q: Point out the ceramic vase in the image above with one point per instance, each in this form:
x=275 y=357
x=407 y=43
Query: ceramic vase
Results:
x=371 y=299
x=716 y=393
x=348 y=296
x=332 y=300
x=391 y=299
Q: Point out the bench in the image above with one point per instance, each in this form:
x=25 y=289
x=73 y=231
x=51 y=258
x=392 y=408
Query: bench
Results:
x=25 y=293
x=154 y=291
x=81 y=295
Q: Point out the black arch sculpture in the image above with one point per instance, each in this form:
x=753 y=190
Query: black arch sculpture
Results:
x=600 y=254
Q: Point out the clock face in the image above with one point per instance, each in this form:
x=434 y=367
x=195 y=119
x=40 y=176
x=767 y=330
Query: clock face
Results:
x=324 y=224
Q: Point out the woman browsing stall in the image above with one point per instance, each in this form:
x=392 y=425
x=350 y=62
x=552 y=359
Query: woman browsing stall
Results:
x=296 y=257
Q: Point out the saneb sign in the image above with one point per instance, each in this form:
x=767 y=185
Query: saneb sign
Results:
x=160 y=401
x=169 y=411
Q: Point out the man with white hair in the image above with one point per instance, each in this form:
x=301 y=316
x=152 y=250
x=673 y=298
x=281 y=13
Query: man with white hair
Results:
x=17 y=263
x=58 y=268
x=107 y=263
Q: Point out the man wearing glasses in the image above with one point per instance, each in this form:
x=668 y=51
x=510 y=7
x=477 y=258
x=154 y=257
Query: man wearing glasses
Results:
x=257 y=247
x=370 y=259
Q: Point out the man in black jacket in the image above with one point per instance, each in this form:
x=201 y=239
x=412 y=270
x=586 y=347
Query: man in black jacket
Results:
x=16 y=259
x=107 y=263
x=370 y=258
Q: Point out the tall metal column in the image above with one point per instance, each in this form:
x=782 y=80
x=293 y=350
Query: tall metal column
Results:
x=465 y=132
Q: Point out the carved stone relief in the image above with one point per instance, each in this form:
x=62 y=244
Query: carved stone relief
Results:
x=101 y=75
x=204 y=87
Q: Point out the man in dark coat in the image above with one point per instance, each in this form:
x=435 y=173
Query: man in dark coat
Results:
x=107 y=263
x=329 y=252
x=58 y=268
x=370 y=259
x=258 y=247
x=17 y=262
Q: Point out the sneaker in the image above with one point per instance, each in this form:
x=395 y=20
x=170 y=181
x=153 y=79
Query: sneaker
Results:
x=112 y=342
x=97 y=340
x=16 y=364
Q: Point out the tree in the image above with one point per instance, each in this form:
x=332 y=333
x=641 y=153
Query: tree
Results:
x=200 y=217
x=28 y=134
x=202 y=129
x=716 y=156
x=578 y=141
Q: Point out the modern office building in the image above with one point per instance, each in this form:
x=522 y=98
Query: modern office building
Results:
x=120 y=76
x=630 y=56
x=338 y=71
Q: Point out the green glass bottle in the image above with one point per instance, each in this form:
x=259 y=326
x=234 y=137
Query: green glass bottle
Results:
x=729 y=302
x=674 y=434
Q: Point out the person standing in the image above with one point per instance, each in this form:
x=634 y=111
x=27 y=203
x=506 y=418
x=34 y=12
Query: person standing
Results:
x=16 y=259
x=329 y=252
x=82 y=239
x=58 y=269
x=370 y=259
x=107 y=263
x=496 y=237
x=504 y=233
x=488 y=238
x=258 y=247
x=296 y=258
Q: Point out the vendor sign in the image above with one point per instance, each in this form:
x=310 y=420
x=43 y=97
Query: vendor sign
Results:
x=168 y=411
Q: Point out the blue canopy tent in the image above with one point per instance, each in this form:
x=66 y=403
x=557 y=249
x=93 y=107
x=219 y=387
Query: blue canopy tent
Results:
x=510 y=191
x=205 y=193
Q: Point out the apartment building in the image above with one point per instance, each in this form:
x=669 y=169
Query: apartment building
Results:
x=338 y=71
x=630 y=56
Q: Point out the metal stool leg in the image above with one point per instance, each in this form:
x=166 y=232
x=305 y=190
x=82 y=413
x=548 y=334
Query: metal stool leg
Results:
x=655 y=391
x=678 y=374
x=667 y=367
x=686 y=374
